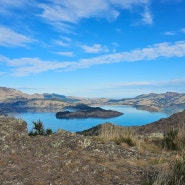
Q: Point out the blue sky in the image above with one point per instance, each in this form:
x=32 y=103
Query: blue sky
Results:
x=93 y=48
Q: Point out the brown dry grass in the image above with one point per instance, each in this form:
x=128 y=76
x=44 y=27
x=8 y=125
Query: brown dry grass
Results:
x=119 y=135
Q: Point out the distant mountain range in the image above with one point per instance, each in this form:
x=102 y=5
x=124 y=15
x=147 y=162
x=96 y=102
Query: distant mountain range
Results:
x=154 y=102
x=12 y=100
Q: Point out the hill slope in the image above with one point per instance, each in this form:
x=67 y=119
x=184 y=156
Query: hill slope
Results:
x=175 y=121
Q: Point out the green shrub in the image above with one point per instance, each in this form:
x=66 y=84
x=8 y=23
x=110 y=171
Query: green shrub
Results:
x=48 y=132
x=38 y=129
x=175 y=175
x=169 y=140
x=126 y=140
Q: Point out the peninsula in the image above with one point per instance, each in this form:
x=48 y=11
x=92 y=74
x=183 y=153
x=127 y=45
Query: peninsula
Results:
x=84 y=111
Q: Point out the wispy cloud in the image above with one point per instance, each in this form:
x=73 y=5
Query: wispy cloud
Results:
x=176 y=32
x=8 y=3
x=10 y=38
x=9 y=7
x=166 y=50
x=70 y=12
x=67 y=54
x=168 y=83
x=132 y=89
x=63 y=15
x=95 y=48
x=27 y=66
x=147 y=16
x=183 y=30
x=170 y=33
x=63 y=41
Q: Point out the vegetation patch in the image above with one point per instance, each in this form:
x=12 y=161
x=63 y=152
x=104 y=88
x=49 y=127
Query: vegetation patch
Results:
x=169 y=140
x=38 y=129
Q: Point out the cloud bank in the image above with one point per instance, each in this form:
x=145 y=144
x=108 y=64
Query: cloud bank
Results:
x=27 y=66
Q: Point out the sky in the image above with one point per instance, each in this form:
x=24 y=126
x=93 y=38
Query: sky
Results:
x=93 y=48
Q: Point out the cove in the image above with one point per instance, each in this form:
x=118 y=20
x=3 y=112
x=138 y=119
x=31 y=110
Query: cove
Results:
x=131 y=117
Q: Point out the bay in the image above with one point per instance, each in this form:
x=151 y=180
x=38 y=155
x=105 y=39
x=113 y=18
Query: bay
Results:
x=131 y=117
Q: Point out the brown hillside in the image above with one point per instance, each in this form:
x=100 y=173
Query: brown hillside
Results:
x=176 y=121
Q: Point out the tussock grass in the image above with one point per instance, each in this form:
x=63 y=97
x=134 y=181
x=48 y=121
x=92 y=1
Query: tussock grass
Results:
x=175 y=175
x=175 y=139
x=117 y=134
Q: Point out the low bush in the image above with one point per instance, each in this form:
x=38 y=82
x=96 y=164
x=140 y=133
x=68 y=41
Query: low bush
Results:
x=38 y=129
x=126 y=140
x=170 y=138
x=174 y=175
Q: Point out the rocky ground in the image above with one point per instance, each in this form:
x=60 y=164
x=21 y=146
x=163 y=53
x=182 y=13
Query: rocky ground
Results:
x=70 y=159
x=63 y=158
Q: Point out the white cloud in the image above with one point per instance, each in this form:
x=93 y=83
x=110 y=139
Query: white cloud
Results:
x=168 y=83
x=63 y=41
x=166 y=50
x=170 y=33
x=12 y=3
x=176 y=32
x=131 y=89
x=95 y=48
x=7 y=7
x=147 y=17
x=65 y=13
x=67 y=54
x=183 y=30
x=27 y=66
x=72 y=11
x=10 y=38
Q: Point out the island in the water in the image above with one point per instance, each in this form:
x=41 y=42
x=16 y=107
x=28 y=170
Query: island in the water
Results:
x=84 y=111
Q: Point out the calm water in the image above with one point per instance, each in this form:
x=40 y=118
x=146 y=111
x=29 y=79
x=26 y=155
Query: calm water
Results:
x=131 y=117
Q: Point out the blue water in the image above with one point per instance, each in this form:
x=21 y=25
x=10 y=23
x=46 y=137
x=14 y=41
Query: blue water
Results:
x=131 y=117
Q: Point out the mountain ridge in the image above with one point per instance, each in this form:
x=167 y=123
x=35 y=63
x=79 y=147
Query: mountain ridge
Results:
x=153 y=102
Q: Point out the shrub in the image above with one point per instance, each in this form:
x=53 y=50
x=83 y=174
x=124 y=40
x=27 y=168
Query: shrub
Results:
x=48 y=132
x=169 y=140
x=175 y=175
x=38 y=129
x=126 y=140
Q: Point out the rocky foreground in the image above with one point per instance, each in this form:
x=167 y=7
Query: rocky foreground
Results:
x=63 y=158
x=97 y=157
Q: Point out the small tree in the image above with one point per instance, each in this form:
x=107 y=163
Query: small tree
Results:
x=38 y=129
